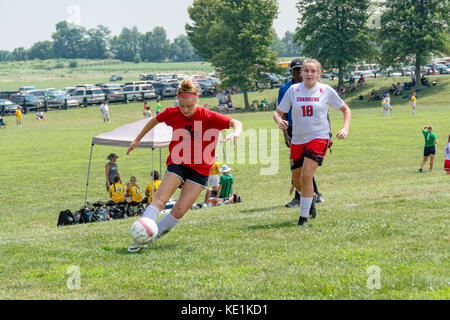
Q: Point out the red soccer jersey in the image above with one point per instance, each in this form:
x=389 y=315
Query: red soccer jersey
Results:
x=194 y=140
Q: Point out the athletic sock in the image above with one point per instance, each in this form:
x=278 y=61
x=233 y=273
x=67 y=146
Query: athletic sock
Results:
x=166 y=224
x=151 y=212
x=305 y=206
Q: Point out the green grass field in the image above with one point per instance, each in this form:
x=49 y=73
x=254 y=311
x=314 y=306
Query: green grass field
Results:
x=378 y=211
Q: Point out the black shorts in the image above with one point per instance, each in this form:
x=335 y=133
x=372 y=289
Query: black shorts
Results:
x=429 y=150
x=188 y=174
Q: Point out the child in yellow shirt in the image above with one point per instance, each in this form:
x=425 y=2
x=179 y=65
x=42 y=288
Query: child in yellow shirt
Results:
x=116 y=191
x=19 y=117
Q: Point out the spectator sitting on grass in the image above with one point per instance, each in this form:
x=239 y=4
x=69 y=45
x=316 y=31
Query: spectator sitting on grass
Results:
x=424 y=81
x=361 y=80
x=265 y=104
x=374 y=96
x=230 y=107
x=225 y=190
x=254 y=106
x=41 y=116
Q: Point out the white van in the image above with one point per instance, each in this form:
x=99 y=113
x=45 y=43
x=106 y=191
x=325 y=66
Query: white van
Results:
x=139 y=91
x=91 y=95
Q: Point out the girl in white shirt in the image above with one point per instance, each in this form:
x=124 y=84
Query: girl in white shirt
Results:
x=311 y=130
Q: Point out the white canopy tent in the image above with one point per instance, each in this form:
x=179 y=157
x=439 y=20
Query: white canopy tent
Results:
x=159 y=137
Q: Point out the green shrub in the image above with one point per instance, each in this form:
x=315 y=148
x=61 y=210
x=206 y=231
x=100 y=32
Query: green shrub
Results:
x=73 y=64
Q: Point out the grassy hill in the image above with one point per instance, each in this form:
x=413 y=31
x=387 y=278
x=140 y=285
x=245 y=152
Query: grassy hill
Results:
x=378 y=211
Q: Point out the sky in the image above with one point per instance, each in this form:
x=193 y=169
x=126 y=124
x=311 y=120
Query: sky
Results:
x=24 y=22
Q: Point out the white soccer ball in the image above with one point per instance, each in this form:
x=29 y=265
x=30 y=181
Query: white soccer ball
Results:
x=204 y=206
x=143 y=230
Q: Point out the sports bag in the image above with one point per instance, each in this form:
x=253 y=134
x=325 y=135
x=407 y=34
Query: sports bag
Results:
x=65 y=218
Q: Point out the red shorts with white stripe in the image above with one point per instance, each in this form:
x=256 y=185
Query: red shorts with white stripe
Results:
x=447 y=165
x=315 y=149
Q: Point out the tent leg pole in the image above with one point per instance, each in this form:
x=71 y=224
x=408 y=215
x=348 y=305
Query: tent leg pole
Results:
x=153 y=168
x=87 y=180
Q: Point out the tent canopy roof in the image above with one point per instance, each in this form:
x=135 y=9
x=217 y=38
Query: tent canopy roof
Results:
x=159 y=137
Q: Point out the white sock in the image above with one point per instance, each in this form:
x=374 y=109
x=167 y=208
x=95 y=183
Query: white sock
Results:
x=166 y=223
x=305 y=206
x=151 y=212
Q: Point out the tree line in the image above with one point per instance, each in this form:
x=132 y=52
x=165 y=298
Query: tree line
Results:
x=237 y=37
x=72 y=41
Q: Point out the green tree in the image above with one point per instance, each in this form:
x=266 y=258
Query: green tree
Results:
x=97 y=42
x=68 y=41
x=125 y=46
x=5 y=55
x=279 y=46
x=41 y=50
x=182 y=50
x=155 y=45
x=292 y=49
x=19 y=54
x=413 y=30
x=235 y=36
x=334 y=32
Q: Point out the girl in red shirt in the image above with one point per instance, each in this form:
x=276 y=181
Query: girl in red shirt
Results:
x=191 y=155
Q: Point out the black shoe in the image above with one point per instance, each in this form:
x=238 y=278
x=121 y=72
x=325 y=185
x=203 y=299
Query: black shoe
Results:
x=319 y=198
x=312 y=210
x=303 y=222
x=295 y=203
x=420 y=170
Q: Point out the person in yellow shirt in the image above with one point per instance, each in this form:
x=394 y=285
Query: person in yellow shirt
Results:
x=19 y=117
x=156 y=183
x=213 y=181
x=413 y=102
x=133 y=194
x=116 y=191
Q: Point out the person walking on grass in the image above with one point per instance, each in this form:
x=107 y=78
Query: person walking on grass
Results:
x=104 y=109
x=413 y=102
x=447 y=157
x=309 y=101
x=191 y=155
x=19 y=117
x=430 y=148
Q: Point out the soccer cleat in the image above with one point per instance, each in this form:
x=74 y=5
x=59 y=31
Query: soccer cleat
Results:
x=303 y=222
x=319 y=198
x=420 y=170
x=136 y=247
x=293 y=204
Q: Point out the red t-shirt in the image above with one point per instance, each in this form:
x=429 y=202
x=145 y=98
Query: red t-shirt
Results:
x=194 y=140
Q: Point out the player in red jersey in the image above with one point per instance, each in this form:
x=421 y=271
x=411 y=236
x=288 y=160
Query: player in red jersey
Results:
x=310 y=133
x=191 y=155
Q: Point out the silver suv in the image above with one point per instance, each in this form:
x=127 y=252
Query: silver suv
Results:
x=139 y=91
x=91 y=95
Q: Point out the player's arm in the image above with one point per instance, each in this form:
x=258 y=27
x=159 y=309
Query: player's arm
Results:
x=107 y=169
x=278 y=117
x=149 y=126
x=237 y=129
x=347 y=118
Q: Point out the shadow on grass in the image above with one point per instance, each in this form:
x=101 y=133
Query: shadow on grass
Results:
x=260 y=210
x=156 y=247
x=280 y=225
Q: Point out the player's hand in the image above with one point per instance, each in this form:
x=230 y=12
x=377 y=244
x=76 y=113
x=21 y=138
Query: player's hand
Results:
x=132 y=146
x=342 y=134
x=283 y=124
x=287 y=139
x=232 y=138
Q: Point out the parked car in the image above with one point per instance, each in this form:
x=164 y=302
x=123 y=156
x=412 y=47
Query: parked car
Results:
x=109 y=86
x=27 y=101
x=58 y=101
x=442 y=68
x=8 y=105
x=428 y=71
x=139 y=91
x=91 y=95
x=115 y=77
x=114 y=94
x=207 y=87
x=164 y=90
x=26 y=88
x=273 y=80
x=38 y=93
x=7 y=94
x=68 y=90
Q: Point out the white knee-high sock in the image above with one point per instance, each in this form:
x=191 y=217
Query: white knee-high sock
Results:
x=305 y=206
x=151 y=212
x=166 y=224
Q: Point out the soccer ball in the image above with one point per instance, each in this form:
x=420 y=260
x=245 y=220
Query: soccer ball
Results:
x=143 y=230
x=205 y=205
